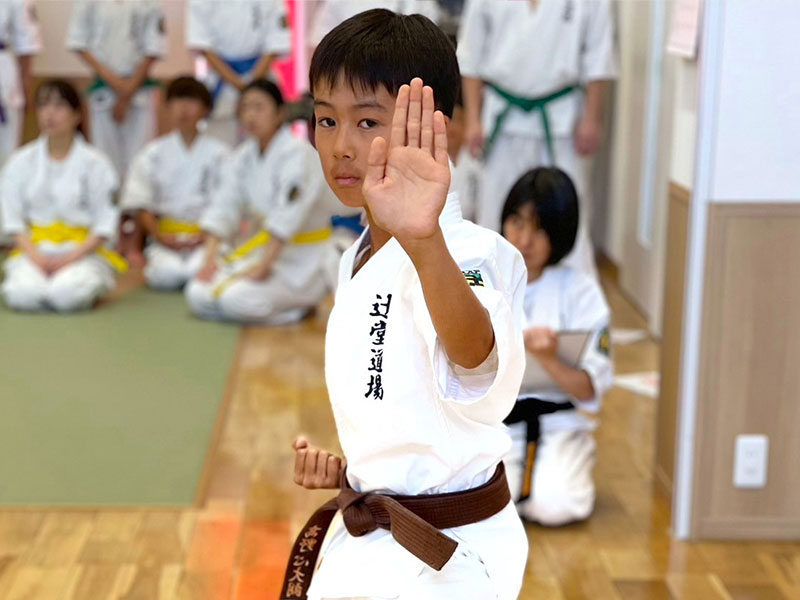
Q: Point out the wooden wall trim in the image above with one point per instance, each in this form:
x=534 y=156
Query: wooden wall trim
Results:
x=750 y=319
x=679 y=193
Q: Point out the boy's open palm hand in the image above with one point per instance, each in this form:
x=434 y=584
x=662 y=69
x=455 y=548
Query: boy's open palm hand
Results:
x=407 y=180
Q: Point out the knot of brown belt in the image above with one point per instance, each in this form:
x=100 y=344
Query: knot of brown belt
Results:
x=414 y=522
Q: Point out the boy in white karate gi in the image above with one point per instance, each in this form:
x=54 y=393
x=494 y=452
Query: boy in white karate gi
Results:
x=272 y=182
x=535 y=74
x=424 y=352
x=550 y=465
x=56 y=200
x=239 y=40
x=171 y=183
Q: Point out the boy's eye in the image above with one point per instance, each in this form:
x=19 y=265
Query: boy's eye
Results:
x=326 y=122
x=367 y=124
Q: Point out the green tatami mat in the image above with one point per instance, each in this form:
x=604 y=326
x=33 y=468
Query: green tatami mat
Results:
x=113 y=406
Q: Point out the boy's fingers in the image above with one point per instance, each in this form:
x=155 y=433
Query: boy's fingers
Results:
x=310 y=468
x=376 y=163
x=398 y=137
x=332 y=471
x=440 y=139
x=320 y=471
x=299 y=466
x=414 y=113
x=426 y=133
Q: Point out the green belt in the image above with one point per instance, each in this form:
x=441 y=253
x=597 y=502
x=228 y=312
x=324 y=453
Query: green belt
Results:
x=527 y=105
x=99 y=83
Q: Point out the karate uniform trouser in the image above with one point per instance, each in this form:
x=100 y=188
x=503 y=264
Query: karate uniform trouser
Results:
x=169 y=269
x=74 y=287
x=9 y=140
x=562 y=488
x=514 y=155
x=271 y=302
x=121 y=141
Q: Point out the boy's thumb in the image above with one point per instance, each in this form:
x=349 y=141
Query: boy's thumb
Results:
x=300 y=443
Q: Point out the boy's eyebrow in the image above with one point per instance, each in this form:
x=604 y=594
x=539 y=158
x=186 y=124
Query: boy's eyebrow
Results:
x=367 y=103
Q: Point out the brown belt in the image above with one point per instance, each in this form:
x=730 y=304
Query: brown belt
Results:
x=414 y=522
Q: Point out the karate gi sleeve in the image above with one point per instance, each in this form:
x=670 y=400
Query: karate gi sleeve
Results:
x=487 y=393
x=299 y=192
x=598 y=57
x=79 y=33
x=154 y=36
x=222 y=217
x=26 y=35
x=472 y=39
x=139 y=191
x=277 y=34
x=198 y=36
x=590 y=311
x=328 y=15
x=12 y=211
x=103 y=183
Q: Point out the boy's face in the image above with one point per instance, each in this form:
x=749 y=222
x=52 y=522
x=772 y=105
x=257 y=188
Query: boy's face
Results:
x=523 y=231
x=259 y=114
x=347 y=122
x=185 y=113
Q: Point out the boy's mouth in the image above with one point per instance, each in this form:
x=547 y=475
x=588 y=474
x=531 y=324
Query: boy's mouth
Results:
x=346 y=179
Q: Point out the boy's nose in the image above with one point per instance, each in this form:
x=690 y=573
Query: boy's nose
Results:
x=342 y=147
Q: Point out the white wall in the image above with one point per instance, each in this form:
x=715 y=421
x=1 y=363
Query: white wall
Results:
x=757 y=145
x=684 y=123
x=56 y=60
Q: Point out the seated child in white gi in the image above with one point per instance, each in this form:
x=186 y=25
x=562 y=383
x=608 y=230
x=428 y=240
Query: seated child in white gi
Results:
x=552 y=479
x=171 y=183
x=424 y=351
x=56 y=199
x=274 y=182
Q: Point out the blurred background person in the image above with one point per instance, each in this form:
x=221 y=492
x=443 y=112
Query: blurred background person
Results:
x=239 y=40
x=171 y=183
x=274 y=182
x=57 y=202
x=534 y=84
x=553 y=453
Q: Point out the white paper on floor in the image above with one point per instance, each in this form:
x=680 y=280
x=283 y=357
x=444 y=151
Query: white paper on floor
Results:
x=644 y=384
x=623 y=337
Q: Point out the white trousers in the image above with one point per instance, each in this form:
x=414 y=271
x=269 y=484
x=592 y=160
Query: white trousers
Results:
x=121 y=141
x=9 y=140
x=514 y=155
x=271 y=302
x=562 y=488
x=169 y=269
x=75 y=287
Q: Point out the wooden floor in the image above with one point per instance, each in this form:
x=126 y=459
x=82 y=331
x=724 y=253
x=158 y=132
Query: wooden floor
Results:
x=233 y=546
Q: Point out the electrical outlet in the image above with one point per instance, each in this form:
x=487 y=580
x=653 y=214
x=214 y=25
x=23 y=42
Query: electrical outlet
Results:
x=750 y=461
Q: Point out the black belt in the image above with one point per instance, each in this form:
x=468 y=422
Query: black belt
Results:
x=529 y=411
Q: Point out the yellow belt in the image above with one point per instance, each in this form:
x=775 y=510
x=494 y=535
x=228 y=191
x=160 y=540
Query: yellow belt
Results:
x=173 y=227
x=59 y=233
x=263 y=237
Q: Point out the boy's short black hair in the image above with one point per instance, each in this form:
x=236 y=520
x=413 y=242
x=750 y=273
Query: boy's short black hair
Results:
x=270 y=88
x=189 y=87
x=552 y=196
x=379 y=47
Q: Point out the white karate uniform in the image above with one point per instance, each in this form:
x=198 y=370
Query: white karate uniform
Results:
x=19 y=36
x=532 y=52
x=562 y=488
x=175 y=183
x=331 y=13
x=416 y=423
x=467 y=180
x=235 y=30
x=283 y=192
x=119 y=34
x=38 y=191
